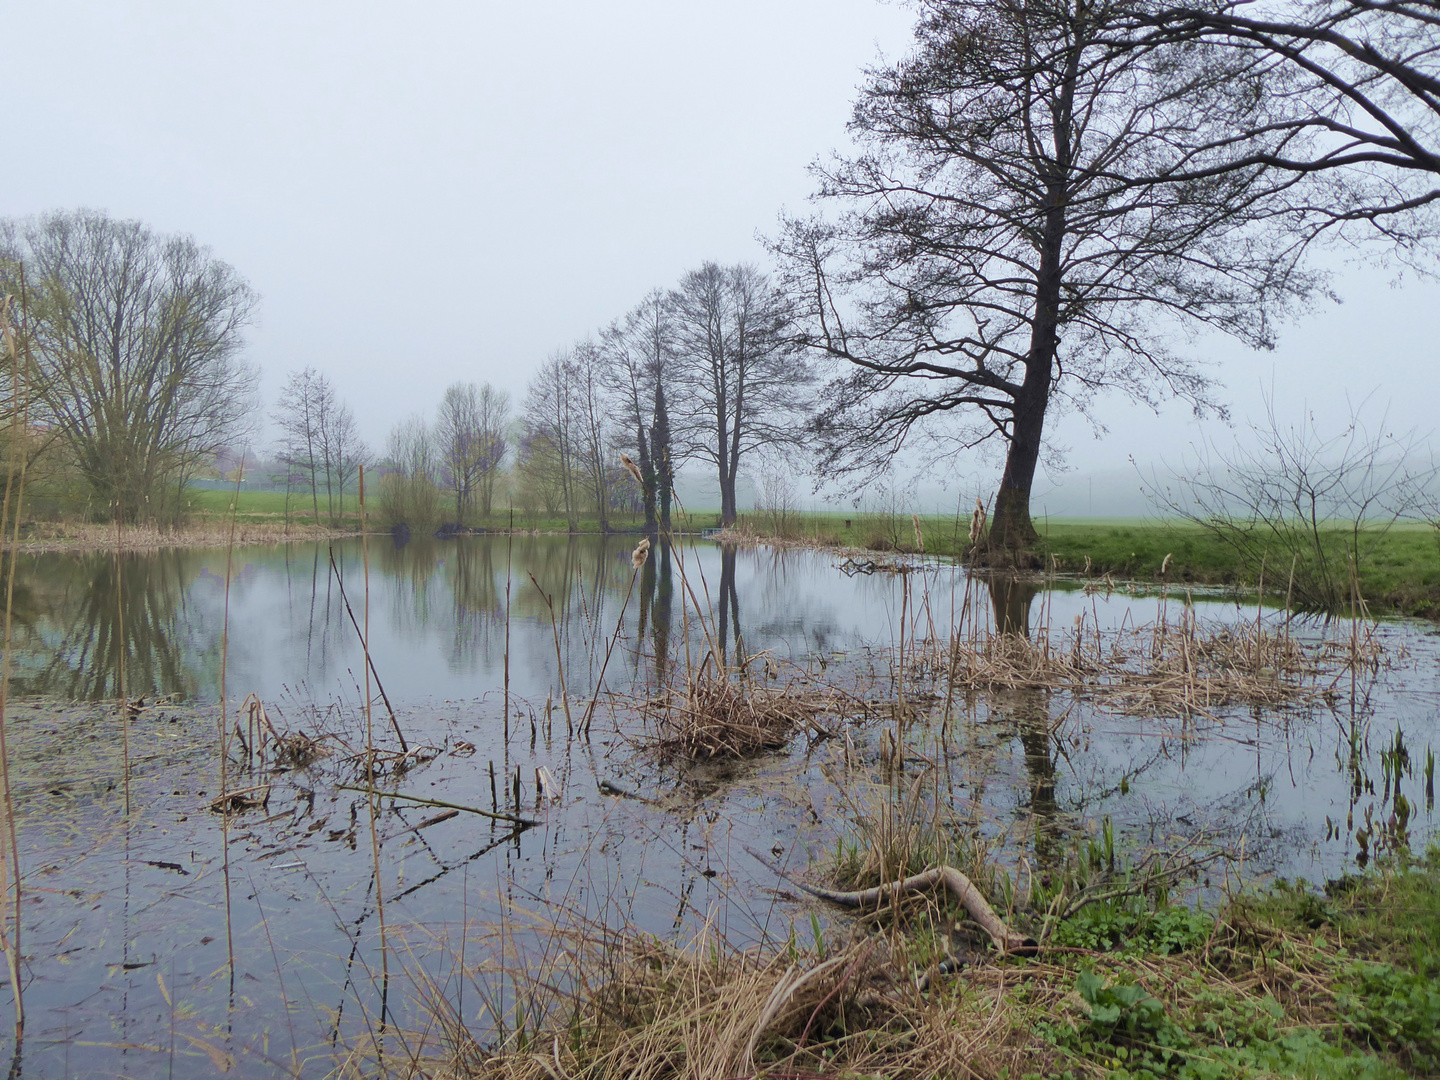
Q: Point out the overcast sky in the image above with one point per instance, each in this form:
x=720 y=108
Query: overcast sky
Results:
x=432 y=192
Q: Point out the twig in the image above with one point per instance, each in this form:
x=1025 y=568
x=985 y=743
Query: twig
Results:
x=395 y=724
x=519 y=822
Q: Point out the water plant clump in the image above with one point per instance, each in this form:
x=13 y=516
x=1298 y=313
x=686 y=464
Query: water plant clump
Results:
x=1160 y=668
x=726 y=716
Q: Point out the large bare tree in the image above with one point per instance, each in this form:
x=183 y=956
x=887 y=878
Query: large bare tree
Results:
x=1362 y=75
x=743 y=382
x=1012 y=235
x=470 y=431
x=641 y=365
x=550 y=434
x=137 y=340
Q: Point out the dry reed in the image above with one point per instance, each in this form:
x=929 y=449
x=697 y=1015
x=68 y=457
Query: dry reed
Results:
x=627 y=1005
x=718 y=716
x=1158 y=669
x=43 y=536
x=10 y=941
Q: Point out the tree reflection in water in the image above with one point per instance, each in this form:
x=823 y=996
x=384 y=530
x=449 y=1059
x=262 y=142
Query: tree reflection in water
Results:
x=1028 y=709
x=79 y=641
x=729 y=615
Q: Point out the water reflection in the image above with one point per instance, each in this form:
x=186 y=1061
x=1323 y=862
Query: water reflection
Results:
x=79 y=623
x=1037 y=762
x=1028 y=711
x=438 y=616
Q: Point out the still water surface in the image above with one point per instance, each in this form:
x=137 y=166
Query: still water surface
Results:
x=125 y=918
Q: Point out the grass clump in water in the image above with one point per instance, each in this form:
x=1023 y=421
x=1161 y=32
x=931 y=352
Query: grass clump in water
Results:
x=721 y=716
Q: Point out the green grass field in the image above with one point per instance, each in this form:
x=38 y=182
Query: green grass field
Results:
x=208 y=506
x=1399 y=569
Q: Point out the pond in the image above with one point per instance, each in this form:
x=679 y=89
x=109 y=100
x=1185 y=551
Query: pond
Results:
x=1115 y=706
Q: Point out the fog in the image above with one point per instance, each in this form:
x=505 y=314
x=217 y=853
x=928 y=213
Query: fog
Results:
x=429 y=193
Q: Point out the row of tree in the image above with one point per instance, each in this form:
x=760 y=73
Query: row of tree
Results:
x=463 y=450
x=705 y=372
x=1045 y=197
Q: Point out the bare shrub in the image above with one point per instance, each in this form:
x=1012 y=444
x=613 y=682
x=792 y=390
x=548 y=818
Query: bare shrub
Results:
x=777 y=503
x=1298 y=500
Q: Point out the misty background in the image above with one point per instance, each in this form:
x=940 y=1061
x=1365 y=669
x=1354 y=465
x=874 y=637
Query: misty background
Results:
x=451 y=191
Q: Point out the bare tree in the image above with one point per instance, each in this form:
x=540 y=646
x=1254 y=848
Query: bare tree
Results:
x=1012 y=237
x=641 y=355
x=549 y=425
x=1310 y=506
x=592 y=428
x=742 y=380
x=457 y=430
x=470 y=431
x=136 y=339
x=319 y=441
x=494 y=445
x=1361 y=81
x=343 y=450
x=408 y=489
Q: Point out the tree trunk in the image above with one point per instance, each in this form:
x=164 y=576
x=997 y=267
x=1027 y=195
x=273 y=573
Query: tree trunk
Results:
x=727 y=498
x=660 y=455
x=647 y=477
x=1012 y=533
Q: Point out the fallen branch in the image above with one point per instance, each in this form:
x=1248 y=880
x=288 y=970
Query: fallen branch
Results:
x=1006 y=940
x=519 y=822
x=242 y=799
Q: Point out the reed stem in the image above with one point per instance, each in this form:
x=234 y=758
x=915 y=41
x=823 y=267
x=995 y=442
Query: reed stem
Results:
x=224 y=728
x=559 y=657
x=10 y=943
x=372 y=799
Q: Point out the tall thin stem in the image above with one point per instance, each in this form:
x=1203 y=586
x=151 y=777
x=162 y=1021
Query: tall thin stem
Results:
x=559 y=656
x=120 y=653
x=372 y=799
x=10 y=944
x=509 y=549
x=224 y=733
x=600 y=682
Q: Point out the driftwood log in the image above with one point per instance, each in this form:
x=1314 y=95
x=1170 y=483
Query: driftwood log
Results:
x=1006 y=940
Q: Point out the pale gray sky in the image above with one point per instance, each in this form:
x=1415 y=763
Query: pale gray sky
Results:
x=439 y=191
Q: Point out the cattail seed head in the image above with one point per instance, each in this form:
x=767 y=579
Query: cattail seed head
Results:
x=633 y=470
x=977 y=522
x=919 y=536
x=641 y=553
x=1165 y=566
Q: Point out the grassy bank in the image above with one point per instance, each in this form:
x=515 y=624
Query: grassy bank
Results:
x=1398 y=569
x=1288 y=981
x=272 y=506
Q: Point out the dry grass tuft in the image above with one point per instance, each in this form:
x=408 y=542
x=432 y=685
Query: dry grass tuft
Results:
x=719 y=716
x=708 y=1012
x=1159 y=669
x=58 y=536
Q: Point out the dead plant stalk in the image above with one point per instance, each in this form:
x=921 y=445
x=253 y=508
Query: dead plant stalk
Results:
x=10 y=943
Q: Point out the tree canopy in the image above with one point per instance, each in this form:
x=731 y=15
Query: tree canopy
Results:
x=136 y=338
x=1014 y=233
